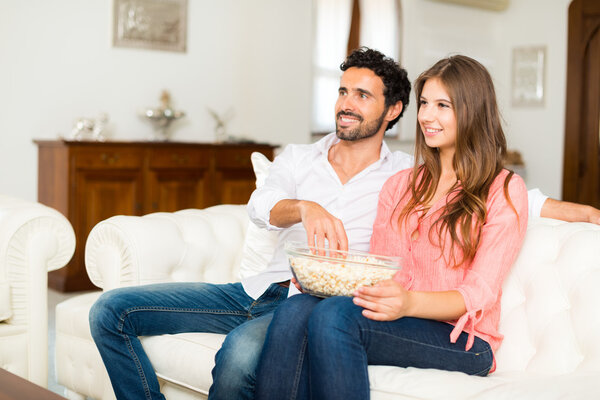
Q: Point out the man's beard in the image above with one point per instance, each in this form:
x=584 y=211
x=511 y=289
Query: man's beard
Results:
x=362 y=131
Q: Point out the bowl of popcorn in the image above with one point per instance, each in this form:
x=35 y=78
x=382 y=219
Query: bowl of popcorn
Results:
x=324 y=272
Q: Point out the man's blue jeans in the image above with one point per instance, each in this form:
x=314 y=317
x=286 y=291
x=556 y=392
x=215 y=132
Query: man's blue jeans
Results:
x=320 y=349
x=121 y=315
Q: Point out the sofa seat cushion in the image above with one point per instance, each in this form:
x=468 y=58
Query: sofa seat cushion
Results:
x=14 y=340
x=72 y=315
x=425 y=384
x=185 y=359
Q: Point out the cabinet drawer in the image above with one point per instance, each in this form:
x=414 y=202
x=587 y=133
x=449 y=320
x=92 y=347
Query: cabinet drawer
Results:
x=179 y=158
x=108 y=158
x=234 y=158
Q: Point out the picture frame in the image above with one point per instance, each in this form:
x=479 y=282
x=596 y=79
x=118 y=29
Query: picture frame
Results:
x=528 y=76
x=150 y=24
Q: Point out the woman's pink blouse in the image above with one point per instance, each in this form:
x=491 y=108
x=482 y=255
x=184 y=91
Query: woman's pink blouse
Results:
x=425 y=266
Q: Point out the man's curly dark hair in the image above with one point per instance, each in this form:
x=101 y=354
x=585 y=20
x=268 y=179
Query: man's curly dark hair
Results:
x=394 y=77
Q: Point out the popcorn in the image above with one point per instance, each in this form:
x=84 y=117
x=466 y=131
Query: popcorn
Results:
x=339 y=278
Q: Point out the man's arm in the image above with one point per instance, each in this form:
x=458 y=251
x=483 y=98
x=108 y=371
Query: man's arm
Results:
x=570 y=212
x=318 y=223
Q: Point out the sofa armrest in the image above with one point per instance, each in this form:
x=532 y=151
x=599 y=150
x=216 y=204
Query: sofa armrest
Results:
x=34 y=239
x=188 y=245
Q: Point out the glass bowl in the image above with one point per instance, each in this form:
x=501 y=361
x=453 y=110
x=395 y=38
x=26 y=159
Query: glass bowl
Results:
x=324 y=272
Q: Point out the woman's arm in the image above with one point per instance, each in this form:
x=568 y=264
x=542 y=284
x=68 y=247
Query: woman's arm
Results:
x=388 y=301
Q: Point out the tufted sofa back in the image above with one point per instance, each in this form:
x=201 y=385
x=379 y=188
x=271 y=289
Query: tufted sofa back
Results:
x=551 y=302
x=193 y=245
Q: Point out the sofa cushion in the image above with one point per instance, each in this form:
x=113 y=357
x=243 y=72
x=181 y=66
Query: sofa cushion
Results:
x=5 y=310
x=185 y=359
x=259 y=244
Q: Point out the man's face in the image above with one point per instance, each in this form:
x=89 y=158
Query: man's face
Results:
x=360 y=108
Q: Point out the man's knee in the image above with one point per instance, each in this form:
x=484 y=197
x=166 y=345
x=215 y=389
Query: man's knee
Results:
x=241 y=348
x=105 y=313
x=234 y=373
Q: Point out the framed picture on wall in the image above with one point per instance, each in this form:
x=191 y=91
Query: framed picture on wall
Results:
x=528 y=75
x=150 y=24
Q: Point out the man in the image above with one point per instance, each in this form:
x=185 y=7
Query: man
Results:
x=324 y=191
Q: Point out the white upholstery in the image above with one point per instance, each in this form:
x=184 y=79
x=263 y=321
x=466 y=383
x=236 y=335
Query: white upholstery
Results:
x=34 y=239
x=550 y=311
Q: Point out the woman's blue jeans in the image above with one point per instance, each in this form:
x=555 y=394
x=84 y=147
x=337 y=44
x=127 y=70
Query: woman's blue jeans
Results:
x=121 y=315
x=320 y=349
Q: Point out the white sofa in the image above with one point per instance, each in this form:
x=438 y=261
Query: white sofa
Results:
x=550 y=309
x=34 y=239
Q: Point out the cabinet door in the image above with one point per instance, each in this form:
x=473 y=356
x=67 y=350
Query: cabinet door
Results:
x=176 y=189
x=177 y=178
x=98 y=195
x=234 y=176
x=102 y=194
x=234 y=186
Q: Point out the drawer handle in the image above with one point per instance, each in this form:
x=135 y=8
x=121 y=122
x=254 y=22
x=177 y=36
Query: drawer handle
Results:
x=109 y=159
x=180 y=159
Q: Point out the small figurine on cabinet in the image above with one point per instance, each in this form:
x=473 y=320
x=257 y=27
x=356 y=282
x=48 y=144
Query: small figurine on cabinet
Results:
x=89 y=128
x=221 y=121
x=162 y=117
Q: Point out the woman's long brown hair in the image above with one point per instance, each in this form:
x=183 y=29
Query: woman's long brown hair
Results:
x=479 y=155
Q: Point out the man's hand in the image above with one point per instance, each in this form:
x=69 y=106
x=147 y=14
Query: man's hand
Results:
x=321 y=225
x=594 y=216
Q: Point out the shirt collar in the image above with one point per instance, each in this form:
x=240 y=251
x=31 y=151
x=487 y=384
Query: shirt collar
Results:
x=324 y=144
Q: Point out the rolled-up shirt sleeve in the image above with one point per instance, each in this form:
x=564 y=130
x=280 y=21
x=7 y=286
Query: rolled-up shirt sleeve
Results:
x=279 y=185
x=501 y=239
x=536 y=201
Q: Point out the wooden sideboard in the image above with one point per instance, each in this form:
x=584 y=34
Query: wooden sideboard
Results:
x=91 y=181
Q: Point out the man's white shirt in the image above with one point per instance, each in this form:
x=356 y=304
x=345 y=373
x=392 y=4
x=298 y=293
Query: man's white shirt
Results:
x=303 y=172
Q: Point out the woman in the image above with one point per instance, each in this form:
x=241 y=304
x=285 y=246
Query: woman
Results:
x=457 y=219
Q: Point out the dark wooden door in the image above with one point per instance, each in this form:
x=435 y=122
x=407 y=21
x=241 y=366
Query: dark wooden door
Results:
x=581 y=176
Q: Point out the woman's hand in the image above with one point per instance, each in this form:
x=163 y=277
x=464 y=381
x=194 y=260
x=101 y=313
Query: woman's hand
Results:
x=297 y=284
x=386 y=301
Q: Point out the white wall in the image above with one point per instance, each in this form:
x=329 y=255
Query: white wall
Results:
x=434 y=30
x=57 y=63
x=538 y=132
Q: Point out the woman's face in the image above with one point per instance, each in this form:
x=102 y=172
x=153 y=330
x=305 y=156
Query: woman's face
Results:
x=437 y=117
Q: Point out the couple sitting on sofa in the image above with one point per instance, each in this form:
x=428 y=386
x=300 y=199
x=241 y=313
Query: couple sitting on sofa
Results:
x=456 y=218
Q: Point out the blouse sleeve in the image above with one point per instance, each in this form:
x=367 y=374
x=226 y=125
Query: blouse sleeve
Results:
x=501 y=239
